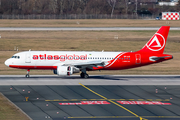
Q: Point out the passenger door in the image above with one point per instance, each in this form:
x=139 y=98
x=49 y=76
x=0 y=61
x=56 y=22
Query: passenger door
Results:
x=28 y=57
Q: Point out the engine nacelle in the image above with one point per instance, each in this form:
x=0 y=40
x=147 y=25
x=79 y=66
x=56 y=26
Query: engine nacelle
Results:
x=65 y=70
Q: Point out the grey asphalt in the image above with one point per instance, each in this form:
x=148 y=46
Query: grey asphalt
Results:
x=78 y=28
x=46 y=92
x=92 y=80
x=43 y=101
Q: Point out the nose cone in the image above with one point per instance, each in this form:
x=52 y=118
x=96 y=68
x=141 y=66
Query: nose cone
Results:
x=7 y=62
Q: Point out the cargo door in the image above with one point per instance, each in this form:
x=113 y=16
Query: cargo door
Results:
x=138 y=58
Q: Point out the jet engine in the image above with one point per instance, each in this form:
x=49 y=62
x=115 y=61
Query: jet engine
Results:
x=65 y=70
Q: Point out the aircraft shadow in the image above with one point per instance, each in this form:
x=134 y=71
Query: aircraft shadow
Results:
x=91 y=77
x=46 y=77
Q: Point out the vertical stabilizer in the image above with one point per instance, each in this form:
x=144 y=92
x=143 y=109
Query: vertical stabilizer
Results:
x=158 y=42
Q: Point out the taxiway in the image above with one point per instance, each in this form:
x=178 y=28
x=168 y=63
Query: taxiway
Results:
x=79 y=28
x=92 y=80
x=99 y=97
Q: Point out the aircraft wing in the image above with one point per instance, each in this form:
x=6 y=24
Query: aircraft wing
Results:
x=88 y=65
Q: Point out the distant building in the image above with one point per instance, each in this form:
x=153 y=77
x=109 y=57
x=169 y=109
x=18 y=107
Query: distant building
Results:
x=170 y=3
x=160 y=2
x=174 y=0
x=143 y=2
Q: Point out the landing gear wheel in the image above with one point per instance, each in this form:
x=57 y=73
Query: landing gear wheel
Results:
x=84 y=75
x=27 y=75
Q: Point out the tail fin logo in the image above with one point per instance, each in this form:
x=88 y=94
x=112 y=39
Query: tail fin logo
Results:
x=156 y=43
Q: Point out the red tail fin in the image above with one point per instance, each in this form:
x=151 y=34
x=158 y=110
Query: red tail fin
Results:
x=157 y=43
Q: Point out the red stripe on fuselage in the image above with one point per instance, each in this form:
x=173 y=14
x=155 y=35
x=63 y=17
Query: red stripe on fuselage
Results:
x=33 y=67
x=114 y=60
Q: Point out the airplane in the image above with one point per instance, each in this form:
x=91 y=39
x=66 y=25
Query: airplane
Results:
x=69 y=62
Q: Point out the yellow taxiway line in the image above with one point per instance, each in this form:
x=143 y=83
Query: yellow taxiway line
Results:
x=141 y=118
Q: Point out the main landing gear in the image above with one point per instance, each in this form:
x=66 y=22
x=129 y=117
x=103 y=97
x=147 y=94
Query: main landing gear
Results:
x=84 y=74
x=27 y=75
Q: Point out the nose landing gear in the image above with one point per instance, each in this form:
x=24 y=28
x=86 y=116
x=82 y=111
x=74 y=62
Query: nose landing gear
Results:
x=27 y=75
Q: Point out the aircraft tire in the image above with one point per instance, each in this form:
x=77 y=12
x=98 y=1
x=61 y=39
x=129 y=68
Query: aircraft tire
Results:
x=82 y=75
x=27 y=76
x=86 y=76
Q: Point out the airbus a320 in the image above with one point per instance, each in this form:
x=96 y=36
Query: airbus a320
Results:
x=69 y=62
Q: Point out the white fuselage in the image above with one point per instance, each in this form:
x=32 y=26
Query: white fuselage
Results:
x=48 y=59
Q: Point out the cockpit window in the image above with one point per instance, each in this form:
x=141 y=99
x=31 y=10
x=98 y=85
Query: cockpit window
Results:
x=16 y=57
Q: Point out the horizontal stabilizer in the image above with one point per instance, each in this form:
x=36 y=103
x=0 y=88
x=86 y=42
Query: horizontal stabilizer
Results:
x=155 y=58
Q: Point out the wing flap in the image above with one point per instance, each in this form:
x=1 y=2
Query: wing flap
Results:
x=89 y=64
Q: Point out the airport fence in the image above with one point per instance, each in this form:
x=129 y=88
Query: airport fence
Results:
x=78 y=16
